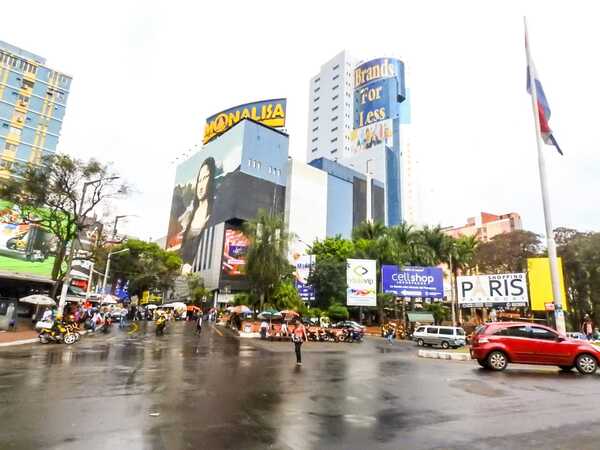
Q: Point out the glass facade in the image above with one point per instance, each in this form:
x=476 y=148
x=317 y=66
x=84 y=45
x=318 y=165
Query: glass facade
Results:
x=33 y=101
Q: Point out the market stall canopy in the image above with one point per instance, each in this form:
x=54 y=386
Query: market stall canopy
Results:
x=289 y=314
x=270 y=315
x=151 y=306
x=38 y=299
x=420 y=317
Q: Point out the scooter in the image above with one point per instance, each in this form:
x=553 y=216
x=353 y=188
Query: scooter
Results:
x=57 y=333
x=107 y=325
x=161 y=324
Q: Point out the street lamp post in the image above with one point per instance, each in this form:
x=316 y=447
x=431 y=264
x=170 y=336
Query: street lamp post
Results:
x=108 y=267
x=67 y=279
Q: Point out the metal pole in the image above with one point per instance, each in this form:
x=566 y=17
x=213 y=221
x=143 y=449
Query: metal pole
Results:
x=89 y=283
x=554 y=275
x=106 y=274
x=452 y=282
x=67 y=278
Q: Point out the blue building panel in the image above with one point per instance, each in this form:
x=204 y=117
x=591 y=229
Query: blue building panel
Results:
x=339 y=207
x=264 y=152
x=23 y=152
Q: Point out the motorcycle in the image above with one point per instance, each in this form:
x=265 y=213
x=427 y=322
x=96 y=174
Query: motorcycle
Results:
x=354 y=335
x=73 y=327
x=107 y=325
x=161 y=324
x=57 y=333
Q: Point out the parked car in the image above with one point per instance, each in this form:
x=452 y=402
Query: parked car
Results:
x=350 y=324
x=445 y=337
x=496 y=344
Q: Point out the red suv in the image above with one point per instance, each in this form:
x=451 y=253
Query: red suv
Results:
x=496 y=344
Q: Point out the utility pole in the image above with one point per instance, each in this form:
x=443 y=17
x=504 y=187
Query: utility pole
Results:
x=108 y=267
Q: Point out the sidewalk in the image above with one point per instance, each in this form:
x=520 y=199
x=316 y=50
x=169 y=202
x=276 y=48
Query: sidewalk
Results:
x=17 y=337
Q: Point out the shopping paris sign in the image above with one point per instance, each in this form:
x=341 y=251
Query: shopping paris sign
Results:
x=361 y=280
x=503 y=289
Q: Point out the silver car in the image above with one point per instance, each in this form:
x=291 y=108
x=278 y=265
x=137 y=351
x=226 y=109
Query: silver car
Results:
x=445 y=337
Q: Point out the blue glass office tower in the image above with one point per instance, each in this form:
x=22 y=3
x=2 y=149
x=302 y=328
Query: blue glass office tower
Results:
x=33 y=100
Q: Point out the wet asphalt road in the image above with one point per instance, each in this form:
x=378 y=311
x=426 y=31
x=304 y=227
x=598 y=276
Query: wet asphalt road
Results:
x=181 y=391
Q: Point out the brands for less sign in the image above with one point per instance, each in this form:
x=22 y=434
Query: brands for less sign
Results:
x=378 y=91
x=506 y=290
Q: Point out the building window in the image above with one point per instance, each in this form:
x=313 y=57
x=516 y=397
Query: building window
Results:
x=315 y=139
x=317 y=89
x=334 y=129
x=249 y=162
x=335 y=97
x=337 y=66
x=258 y=165
x=15 y=131
x=10 y=147
x=316 y=118
x=335 y=87
x=316 y=99
x=270 y=169
x=333 y=151
x=315 y=109
x=336 y=77
x=315 y=129
x=333 y=119
x=317 y=80
x=334 y=140
x=314 y=149
x=334 y=108
x=27 y=84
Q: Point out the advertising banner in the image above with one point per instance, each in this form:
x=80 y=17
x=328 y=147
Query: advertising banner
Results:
x=303 y=265
x=507 y=290
x=235 y=248
x=540 y=284
x=371 y=136
x=24 y=247
x=361 y=277
x=423 y=282
x=268 y=112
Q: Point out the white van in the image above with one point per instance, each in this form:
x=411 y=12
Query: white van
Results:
x=446 y=337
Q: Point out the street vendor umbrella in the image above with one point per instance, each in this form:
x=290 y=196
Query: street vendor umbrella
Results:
x=38 y=299
x=241 y=309
x=289 y=314
x=108 y=300
x=193 y=308
x=151 y=306
x=269 y=314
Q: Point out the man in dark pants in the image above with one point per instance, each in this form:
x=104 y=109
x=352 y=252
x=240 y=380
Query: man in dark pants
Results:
x=298 y=338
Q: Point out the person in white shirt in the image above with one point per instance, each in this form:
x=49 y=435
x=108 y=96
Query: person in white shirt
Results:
x=264 y=327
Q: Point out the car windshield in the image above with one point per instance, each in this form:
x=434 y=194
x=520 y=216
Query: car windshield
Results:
x=460 y=332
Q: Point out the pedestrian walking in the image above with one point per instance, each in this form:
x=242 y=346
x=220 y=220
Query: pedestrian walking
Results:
x=199 y=323
x=264 y=327
x=390 y=335
x=298 y=337
x=284 y=329
x=587 y=327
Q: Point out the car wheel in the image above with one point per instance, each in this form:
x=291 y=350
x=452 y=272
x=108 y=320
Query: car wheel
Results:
x=586 y=364
x=483 y=363
x=496 y=360
x=420 y=342
x=566 y=368
x=445 y=345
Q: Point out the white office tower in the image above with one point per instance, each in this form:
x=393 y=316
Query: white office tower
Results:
x=410 y=183
x=331 y=109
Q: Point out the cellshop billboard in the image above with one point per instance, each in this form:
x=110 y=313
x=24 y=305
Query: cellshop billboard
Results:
x=378 y=91
x=423 y=282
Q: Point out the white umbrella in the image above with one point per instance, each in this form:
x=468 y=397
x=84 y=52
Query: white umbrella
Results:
x=151 y=306
x=38 y=299
x=108 y=300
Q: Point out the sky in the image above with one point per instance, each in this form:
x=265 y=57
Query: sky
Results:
x=147 y=74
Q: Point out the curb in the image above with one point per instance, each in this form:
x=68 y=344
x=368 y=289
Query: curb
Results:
x=433 y=354
x=21 y=342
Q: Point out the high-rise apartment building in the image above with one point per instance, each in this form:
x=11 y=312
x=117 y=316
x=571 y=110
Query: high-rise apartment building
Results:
x=330 y=117
x=33 y=100
x=357 y=117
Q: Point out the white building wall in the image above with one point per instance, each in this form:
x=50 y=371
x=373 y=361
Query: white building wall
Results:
x=305 y=204
x=330 y=117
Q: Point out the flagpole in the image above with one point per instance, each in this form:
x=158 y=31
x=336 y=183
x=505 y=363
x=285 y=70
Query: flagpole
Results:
x=559 y=315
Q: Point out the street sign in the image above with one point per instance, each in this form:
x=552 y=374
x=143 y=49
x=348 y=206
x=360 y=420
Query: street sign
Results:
x=424 y=282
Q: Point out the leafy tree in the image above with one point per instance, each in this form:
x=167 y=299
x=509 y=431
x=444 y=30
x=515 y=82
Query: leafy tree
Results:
x=266 y=263
x=285 y=296
x=146 y=266
x=507 y=252
x=439 y=311
x=49 y=195
x=328 y=277
x=197 y=291
x=337 y=312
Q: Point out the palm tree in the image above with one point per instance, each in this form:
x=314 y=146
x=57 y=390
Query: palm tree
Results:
x=438 y=245
x=266 y=261
x=369 y=230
